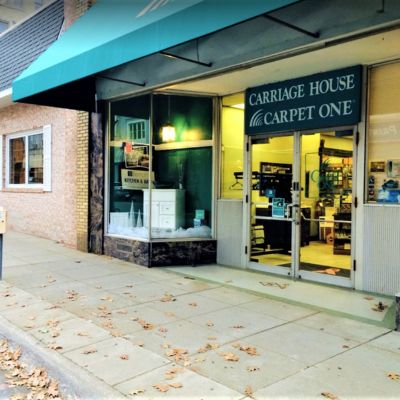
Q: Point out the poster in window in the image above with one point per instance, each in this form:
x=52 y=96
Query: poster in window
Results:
x=377 y=166
x=393 y=168
x=136 y=156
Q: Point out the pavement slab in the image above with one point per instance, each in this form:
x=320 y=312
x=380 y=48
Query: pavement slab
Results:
x=72 y=334
x=179 y=335
x=116 y=360
x=31 y=316
x=235 y=323
x=190 y=305
x=301 y=343
x=194 y=386
x=257 y=371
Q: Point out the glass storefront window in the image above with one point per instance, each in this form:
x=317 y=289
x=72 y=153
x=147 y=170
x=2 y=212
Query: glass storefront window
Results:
x=383 y=154
x=232 y=137
x=161 y=181
x=129 y=166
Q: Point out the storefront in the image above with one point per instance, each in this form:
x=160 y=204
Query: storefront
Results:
x=230 y=147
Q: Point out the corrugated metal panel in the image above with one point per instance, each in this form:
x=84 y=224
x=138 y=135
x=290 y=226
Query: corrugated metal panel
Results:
x=381 y=258
x=229 y=232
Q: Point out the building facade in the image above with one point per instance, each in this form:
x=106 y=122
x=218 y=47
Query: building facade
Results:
x=263 y=138
x=39 y=156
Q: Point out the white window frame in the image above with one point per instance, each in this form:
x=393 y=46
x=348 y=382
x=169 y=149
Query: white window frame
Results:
x=45 y=131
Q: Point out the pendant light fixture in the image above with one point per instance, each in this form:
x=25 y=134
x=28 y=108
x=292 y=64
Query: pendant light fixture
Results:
x=168 y=130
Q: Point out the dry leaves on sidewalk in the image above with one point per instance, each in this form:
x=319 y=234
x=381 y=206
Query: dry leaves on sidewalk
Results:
x=276 y=284
x=177 y=353
x=124 y=357
x=35 y=380
x=89 y=350
x=229 y=356
x=147 y=326
x=54 y=346
x=393 y=376
x=329 y=396
x=171 y=373
x=135 y=392
x=167 y=297
x=208 y=347
x=248 y=391
x=250 y=350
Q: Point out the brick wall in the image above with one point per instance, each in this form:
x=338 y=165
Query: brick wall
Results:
x=82 y=180
x=46 y=214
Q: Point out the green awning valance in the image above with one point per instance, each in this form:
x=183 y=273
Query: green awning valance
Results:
x=114 y=32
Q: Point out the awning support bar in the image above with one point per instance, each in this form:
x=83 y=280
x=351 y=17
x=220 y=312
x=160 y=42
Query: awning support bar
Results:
x=121 y=80
x=164 y=53
x=315 y=35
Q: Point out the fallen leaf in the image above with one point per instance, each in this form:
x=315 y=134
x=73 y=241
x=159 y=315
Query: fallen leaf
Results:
x=135 y=392
x=329 y=395
x=345 y=346
x=124 y=357
x=99 y=287
x=140 y=343
x=238 y=326
x=116 y=333
x=29 y=326
x=176 y=385
x=145 y=325
x=209 y=323
x=250 y=350
x=90 y=350
x=211 y=337
x=193 y=304
x=107 y=298
x=163 y=330
x=208 y=347
x=276 y=284
x=53 y=389
x=82 y=334
x=55 y=334
x=122 y=312
x=248 y=391
x=393 y=376
x=54 y=346
x=228 y=356
x=167 y=297
x=177 y=353
x=252 y=368
x=162 y=387
x=171 y=373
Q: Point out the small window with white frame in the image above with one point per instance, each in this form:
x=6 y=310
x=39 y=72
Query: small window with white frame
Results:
x=27 y=158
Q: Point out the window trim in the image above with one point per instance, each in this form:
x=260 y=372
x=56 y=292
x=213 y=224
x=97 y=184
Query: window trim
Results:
x=22 y=185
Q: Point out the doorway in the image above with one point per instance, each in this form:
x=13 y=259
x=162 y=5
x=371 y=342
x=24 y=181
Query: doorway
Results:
x=300 y=205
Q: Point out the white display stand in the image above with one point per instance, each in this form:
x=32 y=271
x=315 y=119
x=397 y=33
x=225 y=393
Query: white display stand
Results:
x=167 y=208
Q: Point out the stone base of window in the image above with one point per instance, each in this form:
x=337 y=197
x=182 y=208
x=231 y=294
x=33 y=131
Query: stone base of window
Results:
x=162 y=254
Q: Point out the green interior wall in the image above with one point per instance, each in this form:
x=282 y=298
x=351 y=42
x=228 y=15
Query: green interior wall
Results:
x=197 y=177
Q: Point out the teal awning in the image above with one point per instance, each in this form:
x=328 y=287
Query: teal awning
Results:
x=114 y=32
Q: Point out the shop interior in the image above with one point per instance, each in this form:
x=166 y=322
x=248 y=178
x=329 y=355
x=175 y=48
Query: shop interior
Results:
x=325 y=198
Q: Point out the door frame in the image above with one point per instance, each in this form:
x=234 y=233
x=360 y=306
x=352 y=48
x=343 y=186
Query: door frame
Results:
x=295 y=272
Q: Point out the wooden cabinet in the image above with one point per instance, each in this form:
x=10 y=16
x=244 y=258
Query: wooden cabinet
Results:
x=167 y=208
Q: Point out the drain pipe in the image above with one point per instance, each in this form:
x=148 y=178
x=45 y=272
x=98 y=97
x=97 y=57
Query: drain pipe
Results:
x=397 y=312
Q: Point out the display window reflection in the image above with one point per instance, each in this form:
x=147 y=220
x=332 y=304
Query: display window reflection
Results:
x=160 y=167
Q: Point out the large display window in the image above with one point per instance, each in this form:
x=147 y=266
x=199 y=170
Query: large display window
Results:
x=160 y=167
x=232 y=138
x=383 y=147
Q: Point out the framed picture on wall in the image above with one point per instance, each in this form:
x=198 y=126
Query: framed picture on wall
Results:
x=377 y=166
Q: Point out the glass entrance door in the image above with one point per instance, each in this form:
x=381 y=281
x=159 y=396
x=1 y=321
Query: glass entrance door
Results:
x=271 y=211
x=301 y=195
x=326 y=165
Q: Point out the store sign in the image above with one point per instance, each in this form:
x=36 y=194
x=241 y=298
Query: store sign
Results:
x=134 y=179
x=324 y=100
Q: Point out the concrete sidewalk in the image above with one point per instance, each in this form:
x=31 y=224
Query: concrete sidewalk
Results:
x=152 y=334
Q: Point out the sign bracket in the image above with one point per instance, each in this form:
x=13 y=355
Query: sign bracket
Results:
x=315 y=35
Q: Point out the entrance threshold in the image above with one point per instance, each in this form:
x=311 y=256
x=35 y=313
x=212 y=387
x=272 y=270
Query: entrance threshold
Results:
x=339 y=301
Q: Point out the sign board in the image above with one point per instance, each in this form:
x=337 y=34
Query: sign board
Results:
x=328 y=99
x=278 y=207
x=134 y=179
